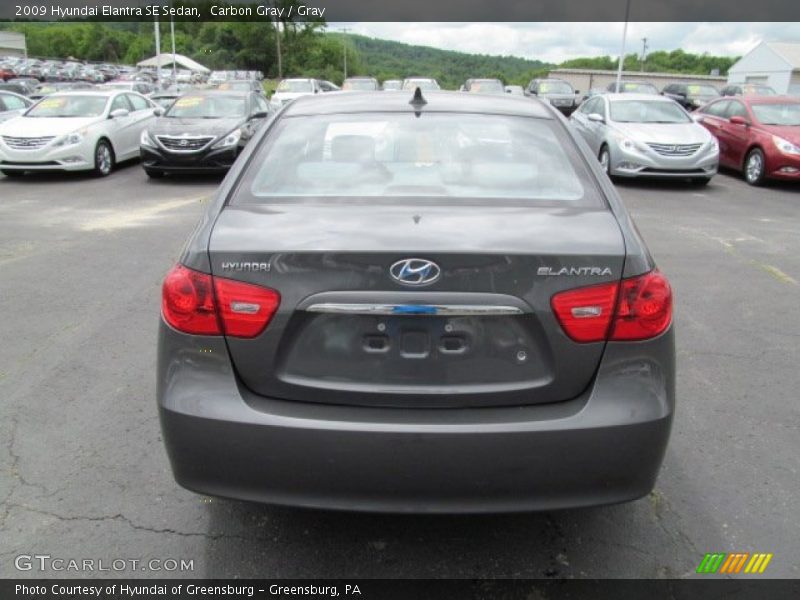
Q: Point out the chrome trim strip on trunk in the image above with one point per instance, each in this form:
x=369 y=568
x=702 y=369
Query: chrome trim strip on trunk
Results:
x=450 y=310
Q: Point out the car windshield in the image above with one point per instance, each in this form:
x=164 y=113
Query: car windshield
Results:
x=295 y=86
x=164 y=101
x=488 y=86
x=360 y=85
x=69 y=106
x=207 y=107
x=555 y=87
x=701 y=90
x=778 y=114
x=437 y=155
x=642 y=111
x=629 y=87
x=426 y=85
x=758 y=90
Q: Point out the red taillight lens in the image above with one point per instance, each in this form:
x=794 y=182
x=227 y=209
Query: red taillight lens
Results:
x=644 y=308
x=585 y=313
x=245 y=309
x=188 y=304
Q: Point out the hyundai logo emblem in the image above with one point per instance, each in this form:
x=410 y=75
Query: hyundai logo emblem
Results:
x=415 y=271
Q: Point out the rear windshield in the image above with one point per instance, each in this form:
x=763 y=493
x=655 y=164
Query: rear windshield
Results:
x=629 y=87
x=435 y=156
x=426 y=85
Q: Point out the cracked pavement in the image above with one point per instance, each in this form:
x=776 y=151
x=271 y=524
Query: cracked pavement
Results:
x=83 y=473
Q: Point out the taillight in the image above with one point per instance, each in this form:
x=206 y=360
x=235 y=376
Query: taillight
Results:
x=644 y=307
x=585 y=313
x=638 y=308
x=245 y=309
x=188 y=304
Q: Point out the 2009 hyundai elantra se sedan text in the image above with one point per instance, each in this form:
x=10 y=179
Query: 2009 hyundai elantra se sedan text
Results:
x=434 y=303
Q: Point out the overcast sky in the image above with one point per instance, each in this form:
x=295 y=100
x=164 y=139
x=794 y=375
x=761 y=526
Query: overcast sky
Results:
x=557 y=42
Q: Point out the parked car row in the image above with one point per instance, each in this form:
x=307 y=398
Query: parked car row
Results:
x=646 y=135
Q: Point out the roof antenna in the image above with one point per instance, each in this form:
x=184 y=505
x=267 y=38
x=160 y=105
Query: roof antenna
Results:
x=418 y=101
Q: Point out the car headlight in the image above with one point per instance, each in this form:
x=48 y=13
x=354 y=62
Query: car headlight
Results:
x=785 y=146
x=627 y=144
x=229 y=140
x=146 y=140
x=76 y=137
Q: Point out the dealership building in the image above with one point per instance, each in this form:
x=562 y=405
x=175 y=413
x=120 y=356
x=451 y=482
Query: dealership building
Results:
x=12 y=44
x=776 y=64
x=586 y=79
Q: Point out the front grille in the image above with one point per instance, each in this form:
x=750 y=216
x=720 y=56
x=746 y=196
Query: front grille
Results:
x=675 y=149
x=26 y=143
x=184 y=143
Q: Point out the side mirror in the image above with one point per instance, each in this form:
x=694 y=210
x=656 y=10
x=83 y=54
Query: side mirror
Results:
x=119 y=113
x=159 y=111
x=738 y=120
x=597 y=118
x=577 y=92
x=508 y=91
x=534 y=92
x=259 y=115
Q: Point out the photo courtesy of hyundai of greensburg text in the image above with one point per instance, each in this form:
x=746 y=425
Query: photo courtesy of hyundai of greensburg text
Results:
x=330 y=298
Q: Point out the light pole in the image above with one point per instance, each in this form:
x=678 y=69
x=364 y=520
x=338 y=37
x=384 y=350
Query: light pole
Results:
x=344 y=30
x=622 y=51
x=174 y=67
x=644 y=52
x=158 y=54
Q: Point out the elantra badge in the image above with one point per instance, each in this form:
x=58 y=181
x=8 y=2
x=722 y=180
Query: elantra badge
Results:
x=574 y=271
x=415 y=271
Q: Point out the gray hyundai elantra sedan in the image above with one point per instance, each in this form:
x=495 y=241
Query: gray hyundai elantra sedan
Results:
x=410 y=303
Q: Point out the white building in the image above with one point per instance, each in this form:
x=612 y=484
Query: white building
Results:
x=776 y=64
x=12 y=44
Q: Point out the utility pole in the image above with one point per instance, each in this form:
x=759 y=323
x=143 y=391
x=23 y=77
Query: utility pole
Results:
x=158 y=54
x=644 y=52
x=344 y=43
x=174 y=66
x=278 y=47
x=622 y=51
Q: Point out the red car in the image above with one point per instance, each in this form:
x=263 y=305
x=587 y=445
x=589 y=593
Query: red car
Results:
x=6 y=74
x=758 y=135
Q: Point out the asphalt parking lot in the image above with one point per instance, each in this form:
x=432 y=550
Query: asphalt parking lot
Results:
x=83 y=473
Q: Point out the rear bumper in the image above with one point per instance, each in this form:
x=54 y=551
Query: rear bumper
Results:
x=601 y=448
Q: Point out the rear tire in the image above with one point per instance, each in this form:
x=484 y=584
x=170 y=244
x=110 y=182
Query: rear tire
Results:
x=152 y=174
x=10 y=173
x=754 y=167
x=103 y=159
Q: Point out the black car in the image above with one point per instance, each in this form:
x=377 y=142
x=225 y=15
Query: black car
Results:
x=558 y=92
x=202 y=131
x=691 y=95
x=16 y=88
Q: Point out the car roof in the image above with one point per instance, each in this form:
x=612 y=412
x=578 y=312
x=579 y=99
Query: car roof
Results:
x=203 y=92
x=439 y=101
x=89 y=92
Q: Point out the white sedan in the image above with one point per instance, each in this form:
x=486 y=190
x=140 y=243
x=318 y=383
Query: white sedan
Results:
x=75 y=131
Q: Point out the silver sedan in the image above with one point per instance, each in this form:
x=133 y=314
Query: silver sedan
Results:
x=641 y=135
